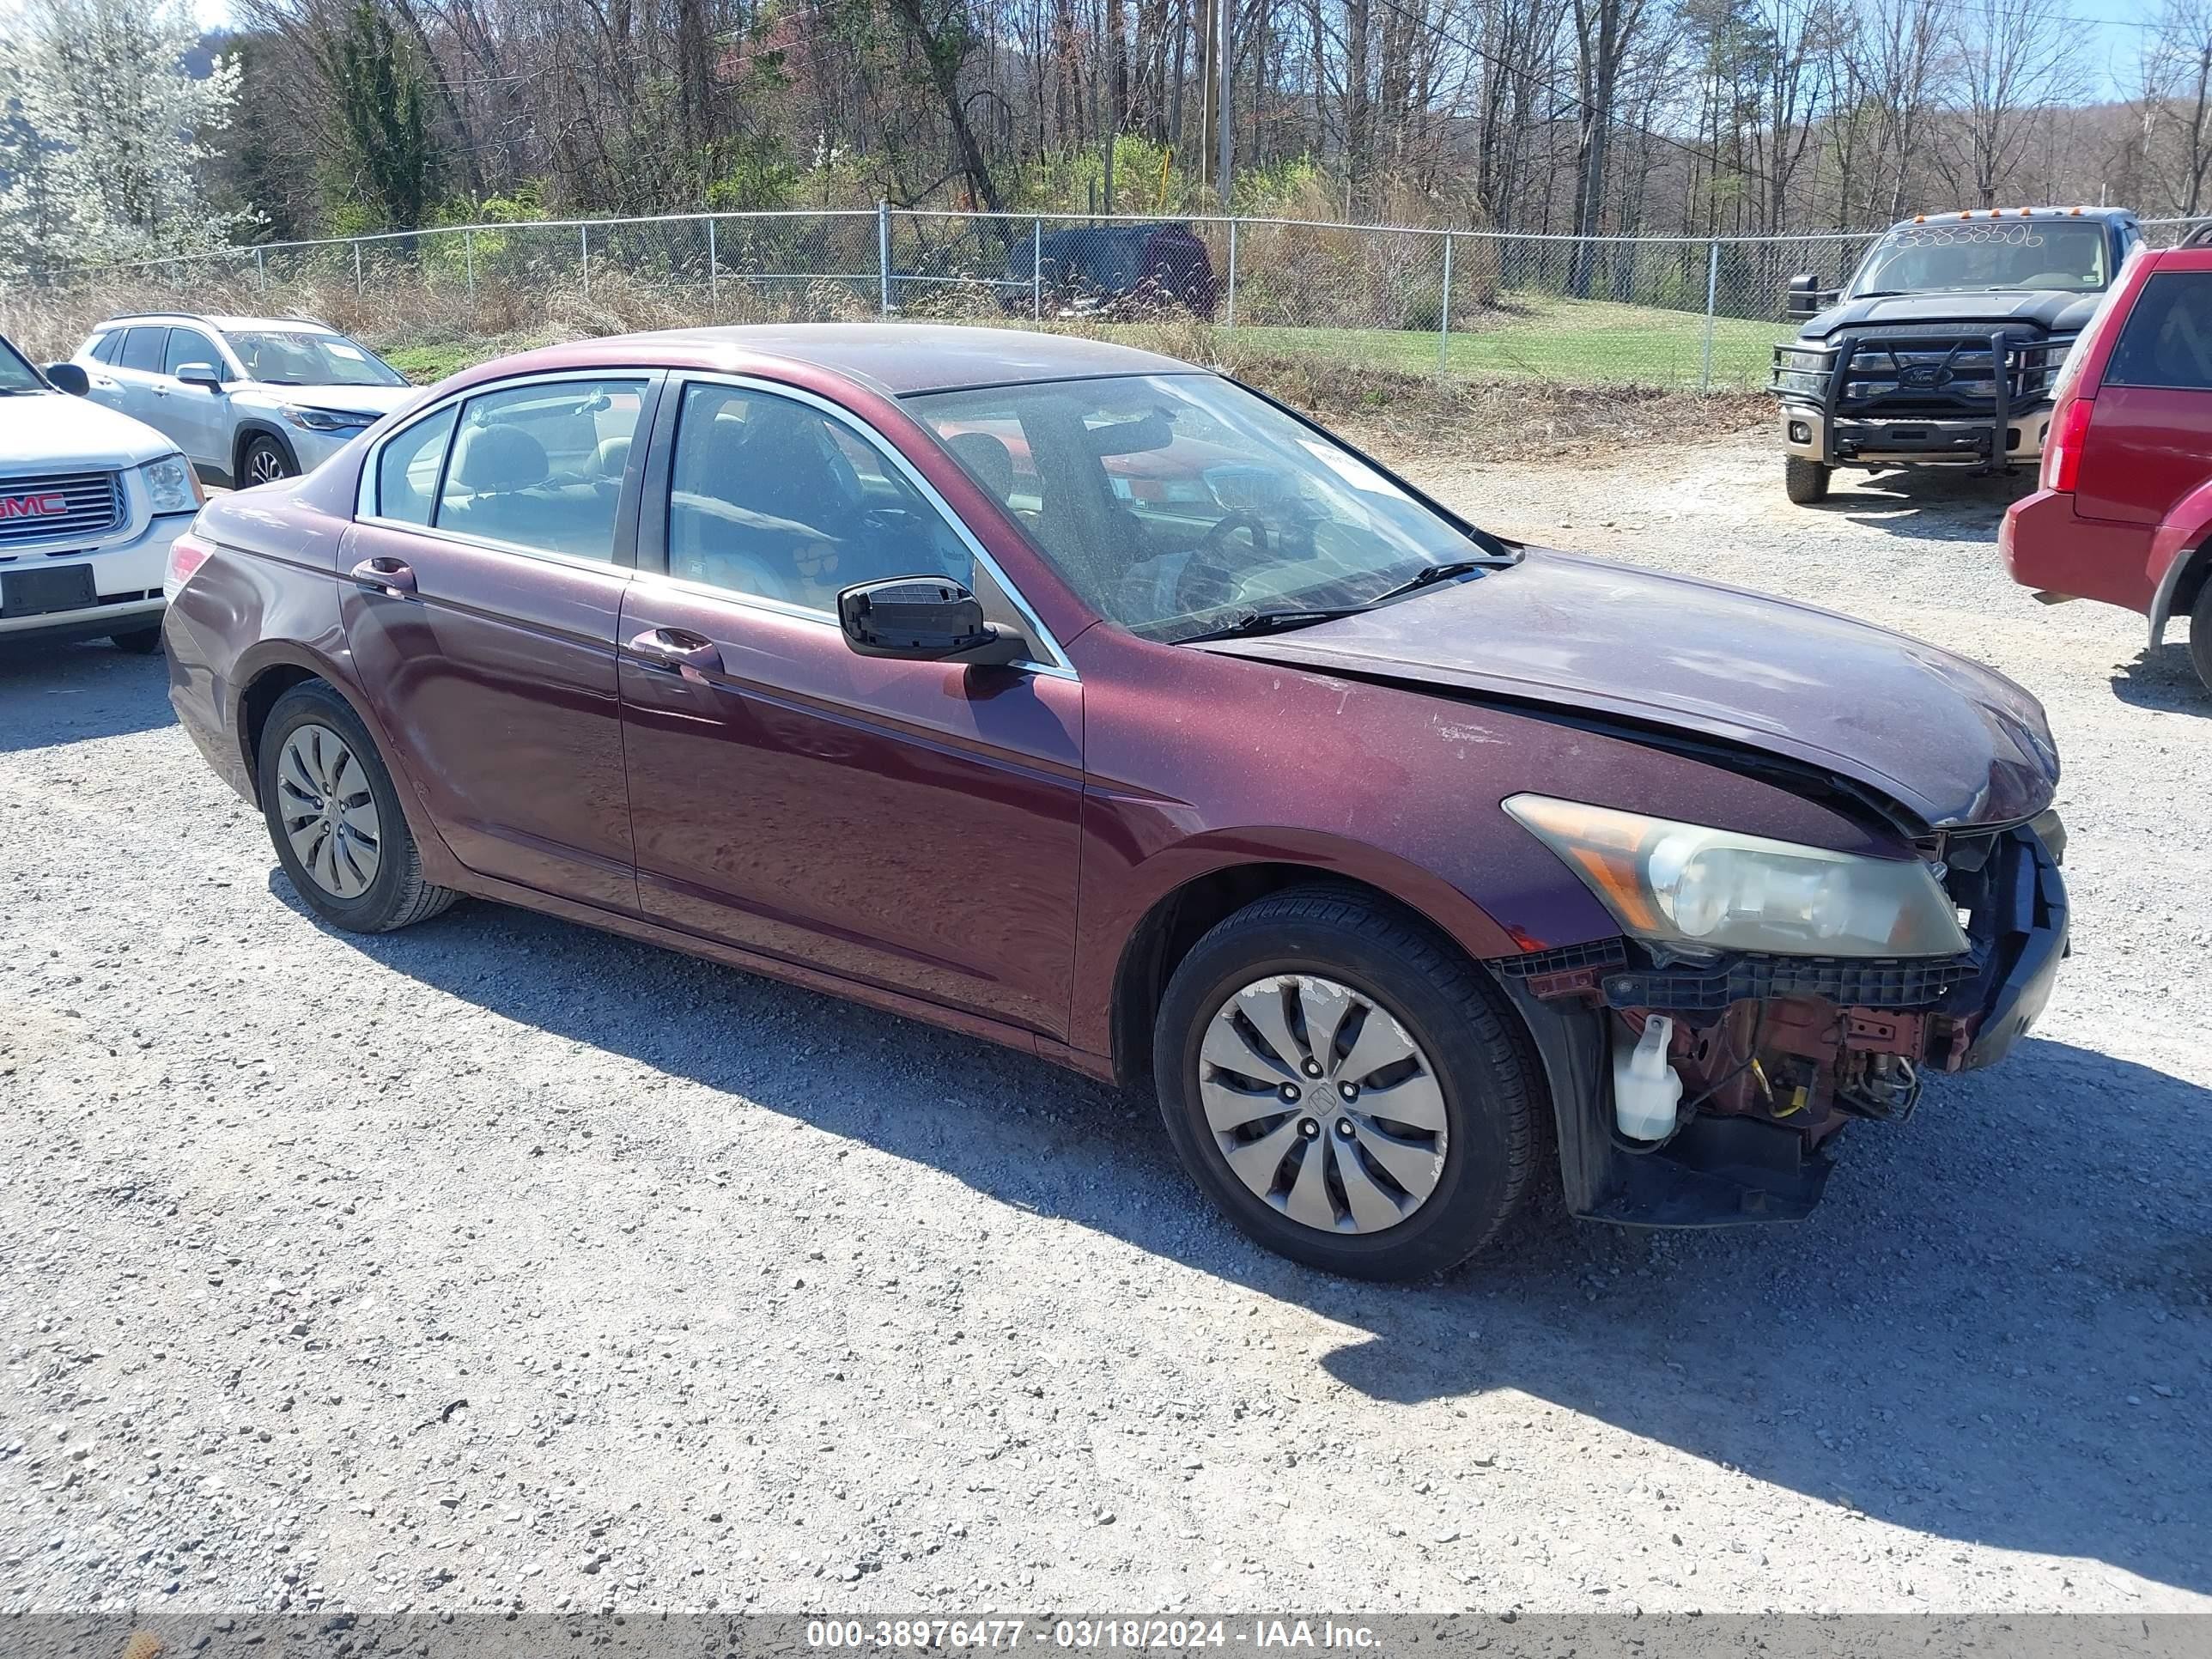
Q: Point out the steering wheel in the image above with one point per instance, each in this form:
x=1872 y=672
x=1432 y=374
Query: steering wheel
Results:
x=1205 y=580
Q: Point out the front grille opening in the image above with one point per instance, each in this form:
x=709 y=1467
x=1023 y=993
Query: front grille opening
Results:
x=57 y=505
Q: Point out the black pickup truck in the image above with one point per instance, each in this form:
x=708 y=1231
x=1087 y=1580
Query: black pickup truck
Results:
x=1943 y=347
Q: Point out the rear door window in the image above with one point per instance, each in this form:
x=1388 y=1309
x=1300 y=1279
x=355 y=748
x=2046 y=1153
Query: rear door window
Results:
x=142 y=350
x=2167 y=339
x=541 y=465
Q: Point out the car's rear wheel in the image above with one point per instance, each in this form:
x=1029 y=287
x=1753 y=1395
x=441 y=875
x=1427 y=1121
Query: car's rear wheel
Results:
x=139 y=641
x=1343 y=1084
x=335 y=819
x=1804 y=482
x=2200 y=632
x=266 y=461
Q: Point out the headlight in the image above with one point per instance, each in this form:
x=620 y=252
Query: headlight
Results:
x=328 y=420
x=1713 y=890
x=170 y=484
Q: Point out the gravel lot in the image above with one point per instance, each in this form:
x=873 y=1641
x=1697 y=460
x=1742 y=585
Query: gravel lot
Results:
x=503 y=1262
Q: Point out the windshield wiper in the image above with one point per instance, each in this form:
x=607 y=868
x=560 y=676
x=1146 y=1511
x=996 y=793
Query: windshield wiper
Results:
x=1272 y=622
x=1430 y=577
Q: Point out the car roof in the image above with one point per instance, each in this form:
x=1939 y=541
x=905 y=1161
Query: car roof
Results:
x=897 y=358
x=2109 y=216
x=296 y=324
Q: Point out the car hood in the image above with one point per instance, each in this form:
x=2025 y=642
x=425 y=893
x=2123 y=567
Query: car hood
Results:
x=2053 y=311
x=54 y=432
x=1950 y=741
x=353 y=399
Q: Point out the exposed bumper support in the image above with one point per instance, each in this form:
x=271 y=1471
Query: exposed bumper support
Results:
x=1730 y=1167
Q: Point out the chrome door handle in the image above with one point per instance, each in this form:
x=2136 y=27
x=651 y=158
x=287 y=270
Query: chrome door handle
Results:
x=393 y=578
x=679 y=651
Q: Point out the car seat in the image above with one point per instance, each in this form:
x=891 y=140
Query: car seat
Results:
x=988 y=461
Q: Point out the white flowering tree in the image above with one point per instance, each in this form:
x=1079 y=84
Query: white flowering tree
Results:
x=104 y=128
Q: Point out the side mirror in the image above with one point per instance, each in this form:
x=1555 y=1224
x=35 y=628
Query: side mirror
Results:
x=922 y=619
x=69 y=378
x=200 y=375
x=1805 y=296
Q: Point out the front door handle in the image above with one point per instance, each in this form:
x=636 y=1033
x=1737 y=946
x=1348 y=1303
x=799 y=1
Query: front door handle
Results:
x=679 y=651
x=393 y=578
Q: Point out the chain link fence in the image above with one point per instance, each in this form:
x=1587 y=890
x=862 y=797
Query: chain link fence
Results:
x=1697 y=313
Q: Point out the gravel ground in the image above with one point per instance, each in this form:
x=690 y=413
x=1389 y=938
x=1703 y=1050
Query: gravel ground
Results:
x=503 y=1263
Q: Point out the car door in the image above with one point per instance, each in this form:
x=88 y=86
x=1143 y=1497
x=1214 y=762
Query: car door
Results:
x=2150 y=431
x=909 y=825
x=135 y=371
x=197 y=416
x=489 y=560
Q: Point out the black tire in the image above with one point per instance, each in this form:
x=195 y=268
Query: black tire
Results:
x=139 y=641
x=1480 y=1061
x=398 y=895
x=1805 y=482
x=2200 y=632
x=265 y=461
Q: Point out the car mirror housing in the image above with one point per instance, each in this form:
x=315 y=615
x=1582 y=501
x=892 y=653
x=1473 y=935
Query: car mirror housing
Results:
x=1807 y=298
x=69 y=378
x=200 y=375
x=922 y=619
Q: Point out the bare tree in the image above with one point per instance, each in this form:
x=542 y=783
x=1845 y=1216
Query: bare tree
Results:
x=2010 y=60
x=2175 y=105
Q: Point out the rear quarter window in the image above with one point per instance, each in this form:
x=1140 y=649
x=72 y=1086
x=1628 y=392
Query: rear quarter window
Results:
x=2166 y=340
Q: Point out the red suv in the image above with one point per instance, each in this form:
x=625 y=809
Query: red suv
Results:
x=2124 y=513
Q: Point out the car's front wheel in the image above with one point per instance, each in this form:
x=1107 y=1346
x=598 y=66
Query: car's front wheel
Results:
x=335 y=819
x=138 y=641
x=1344 y=1085
x=266 y=461
x=1804 y=482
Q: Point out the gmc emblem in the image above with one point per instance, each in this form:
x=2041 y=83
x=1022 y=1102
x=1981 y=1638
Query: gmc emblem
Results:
x=50 y=504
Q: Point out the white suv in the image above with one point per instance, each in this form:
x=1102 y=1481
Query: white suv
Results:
x=89 y=503
x=249 y=399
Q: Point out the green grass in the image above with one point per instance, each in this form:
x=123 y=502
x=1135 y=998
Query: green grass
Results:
x=1573 y=342
x=1532 y=337
x=423 y=364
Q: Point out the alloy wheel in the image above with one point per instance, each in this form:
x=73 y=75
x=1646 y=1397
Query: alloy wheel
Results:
x=1322 y=1103
x=329 y=811
x=264 y=465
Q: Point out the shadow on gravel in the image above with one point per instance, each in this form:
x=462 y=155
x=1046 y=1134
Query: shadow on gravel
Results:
x=1928 y=503
x=1970 y=1339
x=2164 y=680
x=68 y=693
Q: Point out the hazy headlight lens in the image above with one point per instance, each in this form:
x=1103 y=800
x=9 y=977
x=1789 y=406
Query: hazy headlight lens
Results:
x=171 y=485
x=1687 y=884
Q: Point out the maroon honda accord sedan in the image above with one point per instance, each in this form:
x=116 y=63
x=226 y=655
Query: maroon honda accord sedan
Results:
x=1090 y=703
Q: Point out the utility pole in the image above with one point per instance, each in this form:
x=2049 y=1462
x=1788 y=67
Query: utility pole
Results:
x=1209 y=84
x=1225 y=57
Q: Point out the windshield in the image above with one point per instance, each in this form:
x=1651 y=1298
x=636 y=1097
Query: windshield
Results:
x=295 y=357
x=16 y=373
x=1981 y=255
x=1178 y=504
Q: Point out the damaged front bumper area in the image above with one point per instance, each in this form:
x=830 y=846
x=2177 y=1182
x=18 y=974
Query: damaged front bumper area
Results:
x=1776 y=1055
